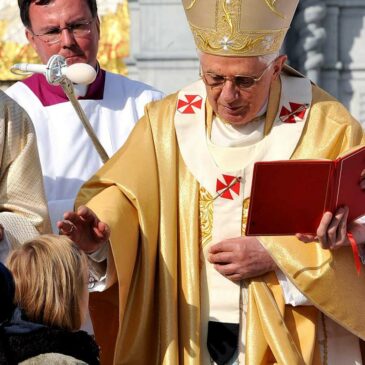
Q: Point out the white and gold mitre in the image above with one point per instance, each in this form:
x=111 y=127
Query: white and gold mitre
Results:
x=239 y=27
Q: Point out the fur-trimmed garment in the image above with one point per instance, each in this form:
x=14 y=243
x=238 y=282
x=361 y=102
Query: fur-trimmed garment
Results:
x=22 y=340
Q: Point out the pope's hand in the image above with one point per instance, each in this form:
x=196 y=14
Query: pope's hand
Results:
x=85 y=229
x=333 y=228
x=241 y=258
x=332 y=231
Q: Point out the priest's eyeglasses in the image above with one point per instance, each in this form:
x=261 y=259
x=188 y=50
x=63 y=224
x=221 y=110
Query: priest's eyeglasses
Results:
x=78 y=29
x=241 y=81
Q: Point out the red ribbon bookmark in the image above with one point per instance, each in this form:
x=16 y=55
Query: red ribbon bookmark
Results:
x=355 y=251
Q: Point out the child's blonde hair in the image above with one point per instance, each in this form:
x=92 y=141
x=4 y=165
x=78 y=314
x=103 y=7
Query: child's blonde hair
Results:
x=49 y=275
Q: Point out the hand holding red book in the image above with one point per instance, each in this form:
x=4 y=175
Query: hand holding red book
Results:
x=288 y=197
x=335 y=230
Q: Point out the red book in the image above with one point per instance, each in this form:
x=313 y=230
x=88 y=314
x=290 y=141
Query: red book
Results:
x=289 y=197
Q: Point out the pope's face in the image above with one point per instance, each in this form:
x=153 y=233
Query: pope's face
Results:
x=230 y=101
x=58 y=14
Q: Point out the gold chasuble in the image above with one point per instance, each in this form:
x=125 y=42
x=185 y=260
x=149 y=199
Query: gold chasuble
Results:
x=150 y=200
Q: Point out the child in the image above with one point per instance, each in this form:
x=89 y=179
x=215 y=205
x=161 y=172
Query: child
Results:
x=51 y=292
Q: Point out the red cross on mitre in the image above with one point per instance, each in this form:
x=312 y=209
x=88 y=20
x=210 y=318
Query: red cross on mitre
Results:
x=296 y=111
x=230 y=184
x=189 y=105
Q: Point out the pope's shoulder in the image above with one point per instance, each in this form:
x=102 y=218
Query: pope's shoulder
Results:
x=165 y=105
x=330 y=108
x=325 y=105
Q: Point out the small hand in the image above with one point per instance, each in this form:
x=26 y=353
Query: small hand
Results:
x=85 y=229
x=332 y=230
x=240 y=258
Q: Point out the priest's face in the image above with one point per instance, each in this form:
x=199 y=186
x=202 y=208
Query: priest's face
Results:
x=64 y=27
x=238 y=87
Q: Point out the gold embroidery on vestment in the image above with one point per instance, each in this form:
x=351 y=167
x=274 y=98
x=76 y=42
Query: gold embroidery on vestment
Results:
x=246 y=204
x=206 y=216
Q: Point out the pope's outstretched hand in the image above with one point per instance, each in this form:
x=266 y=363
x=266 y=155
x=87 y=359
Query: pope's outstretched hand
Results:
x=85 y=229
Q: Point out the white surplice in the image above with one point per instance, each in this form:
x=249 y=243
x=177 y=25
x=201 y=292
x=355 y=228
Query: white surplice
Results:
x=68 y=157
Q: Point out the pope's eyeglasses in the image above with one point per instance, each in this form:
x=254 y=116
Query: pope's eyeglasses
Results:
x=78 y=29
x=241 y=81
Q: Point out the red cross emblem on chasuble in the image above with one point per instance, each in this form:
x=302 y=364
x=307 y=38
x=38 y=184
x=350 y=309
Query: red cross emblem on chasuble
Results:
x=189 y=105
x=296 y=111
x=230 y=184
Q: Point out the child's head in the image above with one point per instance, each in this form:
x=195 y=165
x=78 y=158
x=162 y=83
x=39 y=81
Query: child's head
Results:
x=51 y=276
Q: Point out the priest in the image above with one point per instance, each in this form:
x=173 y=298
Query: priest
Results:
x=112 y=103
x=166 y=215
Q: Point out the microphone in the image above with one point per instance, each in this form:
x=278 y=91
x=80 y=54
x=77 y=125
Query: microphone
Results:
x=57 y=69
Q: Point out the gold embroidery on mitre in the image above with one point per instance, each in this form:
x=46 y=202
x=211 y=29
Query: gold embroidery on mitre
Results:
x=228 y=39
x=206 y=216
x=191 y=4
x=245 y=205
x=271 y=5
